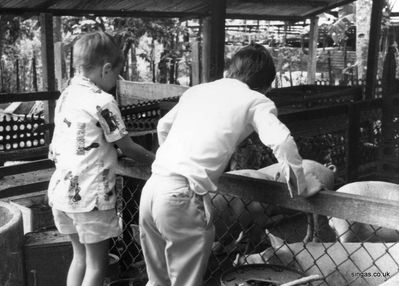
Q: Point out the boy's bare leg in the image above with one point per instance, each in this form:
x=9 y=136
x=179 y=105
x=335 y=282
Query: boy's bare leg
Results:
x=78 y=265
x=96 y=263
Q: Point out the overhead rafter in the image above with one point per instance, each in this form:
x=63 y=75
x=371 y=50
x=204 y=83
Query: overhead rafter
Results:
x=289 y=10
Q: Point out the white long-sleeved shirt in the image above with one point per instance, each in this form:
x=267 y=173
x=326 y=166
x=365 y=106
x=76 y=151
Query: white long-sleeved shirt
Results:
x=199 y=135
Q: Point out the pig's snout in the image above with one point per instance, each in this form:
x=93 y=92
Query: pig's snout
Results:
x=332 y=167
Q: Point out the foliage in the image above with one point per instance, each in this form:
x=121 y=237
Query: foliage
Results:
x=129 y=33
x=19 y=40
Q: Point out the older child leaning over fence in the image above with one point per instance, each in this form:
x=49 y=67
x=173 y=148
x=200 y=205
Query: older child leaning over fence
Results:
x=87 y=125
x=197 y=138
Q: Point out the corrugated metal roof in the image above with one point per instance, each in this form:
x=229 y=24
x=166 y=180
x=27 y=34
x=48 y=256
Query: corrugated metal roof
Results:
x=245 y=9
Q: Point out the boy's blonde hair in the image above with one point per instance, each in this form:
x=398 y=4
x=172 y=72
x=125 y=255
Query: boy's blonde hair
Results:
x=96 y=49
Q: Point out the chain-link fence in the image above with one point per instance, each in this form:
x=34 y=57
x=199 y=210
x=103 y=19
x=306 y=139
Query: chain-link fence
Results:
x=348 y=136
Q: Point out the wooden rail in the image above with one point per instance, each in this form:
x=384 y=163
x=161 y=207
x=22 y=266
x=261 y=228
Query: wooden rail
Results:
x=384 y=213
x=380 y=212
x=29 y=96
x=24 y=154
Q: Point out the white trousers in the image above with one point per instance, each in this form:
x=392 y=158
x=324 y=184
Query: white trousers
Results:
x=176 y=232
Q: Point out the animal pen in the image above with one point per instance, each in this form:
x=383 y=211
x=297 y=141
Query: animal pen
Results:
x=349 y=127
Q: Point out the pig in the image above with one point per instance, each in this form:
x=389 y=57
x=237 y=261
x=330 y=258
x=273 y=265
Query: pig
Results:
x=233 y=215
x=340 y=264
x=347 y=231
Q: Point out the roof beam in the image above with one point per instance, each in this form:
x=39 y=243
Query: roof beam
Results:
x=109 y=13
x=316 y=12
x=311 y=3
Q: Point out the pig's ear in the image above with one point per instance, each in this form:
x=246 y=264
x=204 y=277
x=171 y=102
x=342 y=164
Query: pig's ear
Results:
x=275 y=241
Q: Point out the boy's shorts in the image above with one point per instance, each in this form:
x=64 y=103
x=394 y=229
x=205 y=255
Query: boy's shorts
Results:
x=91 y=227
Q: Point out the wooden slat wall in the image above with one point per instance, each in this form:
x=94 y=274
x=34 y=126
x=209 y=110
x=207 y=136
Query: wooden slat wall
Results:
x=129 y=92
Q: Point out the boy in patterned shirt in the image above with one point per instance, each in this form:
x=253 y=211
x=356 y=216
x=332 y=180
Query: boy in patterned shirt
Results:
x=87 y=125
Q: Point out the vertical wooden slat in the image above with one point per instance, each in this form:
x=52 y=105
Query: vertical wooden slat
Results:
x=213 y=44
x=372 y=57
x=17 y=74
x=195 y=63
x=34 y=73
x=312 y=56
x=59 y=57
x=48 y=70
x=71 y=71
x=60 y=68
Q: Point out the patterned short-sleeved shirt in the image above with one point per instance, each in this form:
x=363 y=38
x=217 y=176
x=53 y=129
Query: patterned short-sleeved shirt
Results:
x=87 y=121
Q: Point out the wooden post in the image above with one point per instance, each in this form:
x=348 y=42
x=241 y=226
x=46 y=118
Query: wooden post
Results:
x=71 y=70
x=59 y=65
x=373 y=51
x=213 y=44
x=312 y=57
x=134 y=74
x=195 y=63
x=17 y=74
x=34 y=73
x=23 y=81
x=47 y=49
x=330 y=79
x=2 y=88
x=59 y=57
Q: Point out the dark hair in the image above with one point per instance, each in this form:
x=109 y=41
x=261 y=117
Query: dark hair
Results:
x=95 y=49
x=254 y=66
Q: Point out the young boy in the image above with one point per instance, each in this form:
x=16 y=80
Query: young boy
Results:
x=87 y=125
x=197 y=138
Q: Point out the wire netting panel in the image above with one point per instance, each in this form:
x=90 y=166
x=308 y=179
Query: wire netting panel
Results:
x=281 y=238
x=249 y=232
x=127 y=246
x=370 y=142
x=241 y=236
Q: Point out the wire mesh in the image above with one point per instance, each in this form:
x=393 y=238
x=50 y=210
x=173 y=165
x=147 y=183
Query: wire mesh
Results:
x=241 y=223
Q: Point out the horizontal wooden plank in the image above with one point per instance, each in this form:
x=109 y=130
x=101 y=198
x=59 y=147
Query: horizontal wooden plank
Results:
x=331 y=110
x=362 y=209
x=346 y=206
x=24 y=189
x=29 y=96
x=104 y=12
x=26 y=167
x=26 y=196
x=24 y=154
x=21 y=179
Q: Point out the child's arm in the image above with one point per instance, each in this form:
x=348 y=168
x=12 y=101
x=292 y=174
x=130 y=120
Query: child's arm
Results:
x=274 y=134
x=135 y=151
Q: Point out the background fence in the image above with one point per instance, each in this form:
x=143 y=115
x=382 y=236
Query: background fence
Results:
x=335 y=129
